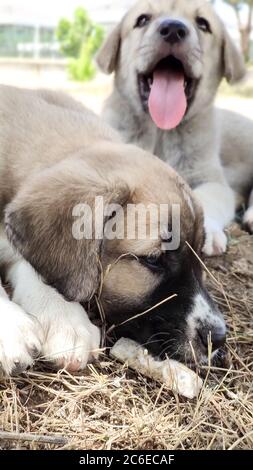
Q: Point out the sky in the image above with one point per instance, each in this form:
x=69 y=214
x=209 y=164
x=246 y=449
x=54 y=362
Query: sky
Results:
x=109 y=11
x=50 y=11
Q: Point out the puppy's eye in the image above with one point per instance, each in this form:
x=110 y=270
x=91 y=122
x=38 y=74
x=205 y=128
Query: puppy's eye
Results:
x=203 y=24
x=152 y=262
x=142 y=21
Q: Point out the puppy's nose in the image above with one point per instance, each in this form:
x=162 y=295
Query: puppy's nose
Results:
x=218 y=337
x=173 y=31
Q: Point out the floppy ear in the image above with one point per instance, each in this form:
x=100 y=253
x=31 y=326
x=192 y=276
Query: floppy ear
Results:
x=107 y=56
x=234 y=67
x=39 y=223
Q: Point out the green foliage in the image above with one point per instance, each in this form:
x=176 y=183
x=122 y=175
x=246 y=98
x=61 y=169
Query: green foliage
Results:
x=234 y=3
x=237 y=4
x=80 y=40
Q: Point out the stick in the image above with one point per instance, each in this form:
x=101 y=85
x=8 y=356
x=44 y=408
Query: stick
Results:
x=174 y=375
x=14 y=436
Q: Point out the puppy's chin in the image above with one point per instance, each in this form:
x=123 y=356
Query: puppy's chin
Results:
x=193 y=357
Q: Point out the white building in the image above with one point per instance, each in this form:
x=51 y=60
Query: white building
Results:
x=46 y=14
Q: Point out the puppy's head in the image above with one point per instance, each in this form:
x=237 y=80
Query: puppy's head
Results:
x=121 y=224
x=169 y=57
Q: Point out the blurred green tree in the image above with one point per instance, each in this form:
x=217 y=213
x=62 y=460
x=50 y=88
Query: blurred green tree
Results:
x=245 y=28
x=79 y=40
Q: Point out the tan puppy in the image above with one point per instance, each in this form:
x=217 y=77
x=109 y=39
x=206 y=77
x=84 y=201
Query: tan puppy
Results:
x=169 y=58
x=56 y=161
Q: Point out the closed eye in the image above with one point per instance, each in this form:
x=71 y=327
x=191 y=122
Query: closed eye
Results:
x=167 y=263
x=152 y=262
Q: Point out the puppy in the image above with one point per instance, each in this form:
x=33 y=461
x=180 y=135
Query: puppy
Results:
x=169 y=58
x=58 y=162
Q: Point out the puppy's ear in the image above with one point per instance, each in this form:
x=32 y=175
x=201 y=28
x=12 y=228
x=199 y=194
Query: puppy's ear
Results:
x=107 y=56
x=40 y=223
x=234 y=67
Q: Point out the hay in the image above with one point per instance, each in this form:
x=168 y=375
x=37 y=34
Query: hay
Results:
x=113 y=408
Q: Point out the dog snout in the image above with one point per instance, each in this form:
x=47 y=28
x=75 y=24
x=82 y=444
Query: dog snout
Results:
x=215 y=335
x=173 y=31
x=206 y=324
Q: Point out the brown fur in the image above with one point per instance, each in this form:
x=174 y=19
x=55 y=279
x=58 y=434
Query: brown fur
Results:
x=54 y=154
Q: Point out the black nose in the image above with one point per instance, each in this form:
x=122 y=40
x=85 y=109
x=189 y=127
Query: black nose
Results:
x=173 y=31
x=218 y=337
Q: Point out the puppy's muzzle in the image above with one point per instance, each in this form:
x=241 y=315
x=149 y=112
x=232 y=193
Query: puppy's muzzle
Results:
x=173 y=31
x=216 y=336
x=206 y=326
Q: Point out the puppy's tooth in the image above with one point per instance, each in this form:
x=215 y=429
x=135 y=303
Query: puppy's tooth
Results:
x=150 y=82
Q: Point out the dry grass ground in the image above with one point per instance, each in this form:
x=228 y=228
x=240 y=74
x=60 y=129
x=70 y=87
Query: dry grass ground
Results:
x=112 y=408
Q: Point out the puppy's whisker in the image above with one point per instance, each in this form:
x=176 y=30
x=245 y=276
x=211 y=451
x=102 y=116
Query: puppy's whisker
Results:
x=147 y=343
x=171 y=355
x=145 y=47
x=135 y=317
x=166 y=348
x=159 y=333
x=198 y=58
x=172 y=340
x=166 y=352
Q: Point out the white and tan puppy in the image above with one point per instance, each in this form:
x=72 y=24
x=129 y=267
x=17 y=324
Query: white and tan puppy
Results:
x=57 y=160
x=169 y=58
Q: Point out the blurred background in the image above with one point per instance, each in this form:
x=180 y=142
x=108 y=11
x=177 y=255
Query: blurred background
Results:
x=52 y=43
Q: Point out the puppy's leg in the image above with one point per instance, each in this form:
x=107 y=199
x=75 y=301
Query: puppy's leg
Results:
x=218 y=202
x=248 y=216
x=20 y=336
x=69 y=338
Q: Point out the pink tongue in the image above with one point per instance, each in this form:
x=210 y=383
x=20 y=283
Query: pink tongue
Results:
x=167 y=100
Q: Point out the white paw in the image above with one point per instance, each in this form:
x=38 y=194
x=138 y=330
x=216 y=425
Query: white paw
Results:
x=216 y=240
x=20 y=338
x=71 y=340
x=248 y=219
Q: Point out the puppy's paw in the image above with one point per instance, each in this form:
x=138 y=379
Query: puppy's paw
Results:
x=216 y=240
x=248 y=220
x=20 y=338
x=71 y=340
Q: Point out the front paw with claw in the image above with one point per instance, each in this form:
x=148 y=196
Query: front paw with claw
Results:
x=20 y=339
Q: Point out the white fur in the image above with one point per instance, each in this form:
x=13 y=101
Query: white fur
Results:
x=20 y=336
x=189 y=203
x=216 y=239
x=218 y=202
x=60 y=331
x=203 y=314
x=69 y=338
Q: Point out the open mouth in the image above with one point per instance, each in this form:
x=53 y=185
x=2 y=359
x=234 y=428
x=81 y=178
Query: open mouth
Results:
x=167 y=92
